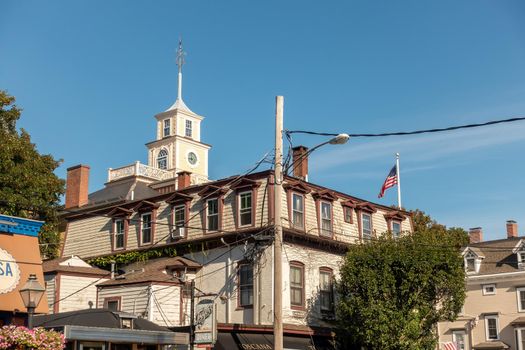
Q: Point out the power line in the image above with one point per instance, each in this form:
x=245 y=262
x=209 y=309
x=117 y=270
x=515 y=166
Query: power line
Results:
x=415 y=132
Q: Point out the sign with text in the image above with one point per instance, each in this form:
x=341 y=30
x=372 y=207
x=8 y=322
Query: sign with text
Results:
x=205 y=322
x=9 y=272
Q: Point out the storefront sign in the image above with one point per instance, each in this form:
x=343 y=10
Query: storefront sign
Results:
x=205 y=323
x=9 y=272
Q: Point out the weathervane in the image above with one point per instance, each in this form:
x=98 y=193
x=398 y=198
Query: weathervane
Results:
x=180 y=63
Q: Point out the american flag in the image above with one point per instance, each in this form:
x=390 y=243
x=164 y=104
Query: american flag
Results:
x=450 y=346
x=390 y=181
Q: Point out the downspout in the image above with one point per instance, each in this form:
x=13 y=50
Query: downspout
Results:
x=228 y=282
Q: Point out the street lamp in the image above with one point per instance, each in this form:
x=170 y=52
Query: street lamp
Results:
x=31 y=294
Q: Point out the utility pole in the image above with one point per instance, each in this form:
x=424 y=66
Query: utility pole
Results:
x=278 y=240
x=192 y=314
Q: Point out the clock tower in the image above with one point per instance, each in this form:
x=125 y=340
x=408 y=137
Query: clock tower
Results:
x=178 y=145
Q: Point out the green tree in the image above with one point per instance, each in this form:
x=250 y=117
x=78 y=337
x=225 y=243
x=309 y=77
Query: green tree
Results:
x=28 y=186
x=393 y=292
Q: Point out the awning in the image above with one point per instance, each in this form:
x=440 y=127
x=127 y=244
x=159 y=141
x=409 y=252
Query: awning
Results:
x=264 y=341
x=116 y=335
x=491 y=345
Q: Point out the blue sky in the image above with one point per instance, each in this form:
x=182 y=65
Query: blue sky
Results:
x=90 y=76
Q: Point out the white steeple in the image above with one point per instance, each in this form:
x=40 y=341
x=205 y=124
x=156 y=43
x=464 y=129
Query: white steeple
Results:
x=179 y=103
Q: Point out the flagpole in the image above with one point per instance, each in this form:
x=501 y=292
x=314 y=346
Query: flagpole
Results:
x=398 y=182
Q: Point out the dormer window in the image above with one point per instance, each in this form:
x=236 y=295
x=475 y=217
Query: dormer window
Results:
x=521 y=260
x=519 y=250
x=472 y=259
x=167 y=127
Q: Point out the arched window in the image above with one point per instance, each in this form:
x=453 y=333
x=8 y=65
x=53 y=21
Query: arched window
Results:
x=162 y=159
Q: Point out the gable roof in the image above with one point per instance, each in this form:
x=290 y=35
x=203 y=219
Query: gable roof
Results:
x=499 y=256
x=60 y=265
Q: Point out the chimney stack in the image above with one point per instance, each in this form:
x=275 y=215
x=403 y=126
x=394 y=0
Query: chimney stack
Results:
x=77 y=186
x=475 y=235
x=512 y=229
x=300 y=162
x=183 y=179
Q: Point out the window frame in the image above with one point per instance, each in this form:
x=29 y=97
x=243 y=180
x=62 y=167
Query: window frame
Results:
x=518 y=298
x=455 y=340
x=118 y=300
x=142 y=228
x=487 y=330
x=241 y=285
x=297 y=265
x=168 y=127
x=394 y=234
x=362 y=226
x=125 y=228
x=347 y=214
x=322 y=231
x=293 y=211
x=485 y=286
x=217 y=214
x=520 y=339
x=165 y=156
x=331 y=294
x=174 y=209
x=240 y=209
x=189 y=123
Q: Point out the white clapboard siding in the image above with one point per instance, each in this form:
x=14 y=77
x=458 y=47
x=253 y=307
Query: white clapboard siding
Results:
x=166 y=305
x=134 y=299
x=77 y=292
x=50 y=290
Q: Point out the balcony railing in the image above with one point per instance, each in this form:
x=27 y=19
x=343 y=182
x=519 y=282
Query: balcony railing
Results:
x=138 y=169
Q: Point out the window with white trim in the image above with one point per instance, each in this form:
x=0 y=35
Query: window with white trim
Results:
x=245 y=208
x=162 y=159
x=212 y=214
x=326 y=290
x=179 y=217
x=326 y=218
x=366 y=226
x=167 y=127
x=491 y=327
x=489 y=289
x=189 y=128
x=119 y=232
x=520 y=338
x=145 y=228
x=521 y=259
x=297 y=211
x=245 y=285
x=396 y=229
x=520 y=294
x=458 y=337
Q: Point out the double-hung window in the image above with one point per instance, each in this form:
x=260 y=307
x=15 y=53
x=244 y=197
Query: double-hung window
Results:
x=326 y=290
x=491 y=327
x=179 y=217
x=167 y=127
x=347 y=212
x=189 y=128
x=520 y=294
x=146 y=228
x=245 y=285
x=245 y=208
x=297 y=211
x=396 y=229
x=326 y=218
x=366 y=226
x=520 y=338
x=119 y=231
x=458 y=337
x=296 y=285
x=212 y=214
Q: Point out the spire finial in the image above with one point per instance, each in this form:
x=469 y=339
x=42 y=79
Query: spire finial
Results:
x=180 y=63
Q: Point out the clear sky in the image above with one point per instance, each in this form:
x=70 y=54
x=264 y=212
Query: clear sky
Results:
x=90 y=76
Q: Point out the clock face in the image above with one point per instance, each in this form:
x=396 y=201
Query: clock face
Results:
x=192 y=158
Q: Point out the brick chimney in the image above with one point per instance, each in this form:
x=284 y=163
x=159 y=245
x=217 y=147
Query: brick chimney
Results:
x=300 y=162
x=77 y=186
x=512 y=229
x=475 y=235
x=183 y=179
